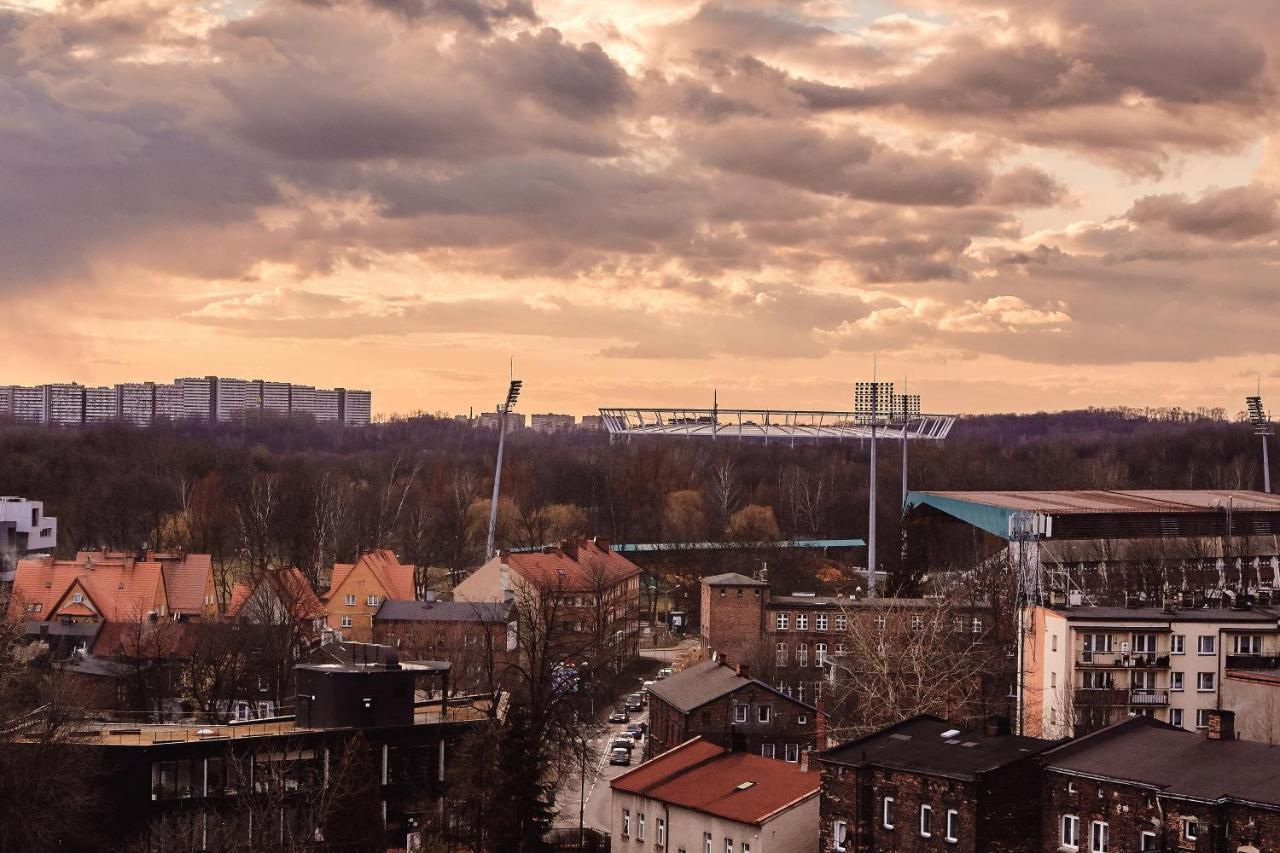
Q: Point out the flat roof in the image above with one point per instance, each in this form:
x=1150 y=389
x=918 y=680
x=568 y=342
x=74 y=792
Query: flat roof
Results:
x=1157 y=614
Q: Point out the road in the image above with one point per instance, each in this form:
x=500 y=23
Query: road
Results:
x=569 y=795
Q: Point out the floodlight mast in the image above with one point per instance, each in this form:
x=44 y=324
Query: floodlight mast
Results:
x=513 y=393
x=1261 y=428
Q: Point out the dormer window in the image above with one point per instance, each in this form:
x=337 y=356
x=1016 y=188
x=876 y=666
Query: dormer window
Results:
x=77 y=598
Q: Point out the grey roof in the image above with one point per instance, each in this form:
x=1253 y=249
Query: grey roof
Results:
x=704 y=682
x=1156 y=614
x=732 y=579
x=1145 y=752
x=917 y=745
x=443 y=611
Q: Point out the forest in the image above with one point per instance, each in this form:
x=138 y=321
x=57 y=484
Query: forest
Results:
x=265 y=491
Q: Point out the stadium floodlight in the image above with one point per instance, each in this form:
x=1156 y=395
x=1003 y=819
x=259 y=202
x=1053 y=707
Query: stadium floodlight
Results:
x=1262 y=429
x=513 y=394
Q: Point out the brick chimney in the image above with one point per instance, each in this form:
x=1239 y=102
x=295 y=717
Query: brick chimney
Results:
x=743 y=669
x=804 y=760
x=601 y=543
x=1222 y=725
x=570 y=548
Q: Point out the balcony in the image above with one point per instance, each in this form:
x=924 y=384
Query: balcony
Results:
x=1149 y=697
x=1253 y=662
x=1122 y=660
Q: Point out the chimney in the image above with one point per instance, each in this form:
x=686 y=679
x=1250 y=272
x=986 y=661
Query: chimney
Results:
x=601 y=542
x=804 y=760
x=996 y=725
x=1222 y=725
x=570 y=548
x=743 y=669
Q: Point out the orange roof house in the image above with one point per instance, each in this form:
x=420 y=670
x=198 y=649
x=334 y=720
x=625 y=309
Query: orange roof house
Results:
x=278 y=597
x=358 y=589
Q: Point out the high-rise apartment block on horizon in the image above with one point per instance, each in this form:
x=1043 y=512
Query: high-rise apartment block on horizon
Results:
x=206 y=398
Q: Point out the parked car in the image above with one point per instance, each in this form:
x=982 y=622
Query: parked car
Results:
x=619 y=715
x=620 y=756
x=665 y=672
x=622 y=742
x=636 y=730
x=635 y=702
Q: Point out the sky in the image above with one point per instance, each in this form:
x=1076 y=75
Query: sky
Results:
x=1017 y=205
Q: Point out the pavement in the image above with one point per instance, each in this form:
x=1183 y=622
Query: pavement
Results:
x=598 y=796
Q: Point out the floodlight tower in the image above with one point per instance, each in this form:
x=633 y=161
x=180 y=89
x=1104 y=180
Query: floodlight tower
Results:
x=1262 y=429
x=513 y=393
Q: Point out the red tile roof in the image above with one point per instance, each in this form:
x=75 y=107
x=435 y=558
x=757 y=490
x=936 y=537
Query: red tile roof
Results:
x=396 y=579
x=185 y=581
x=119 y=591
x=585 y=565
x=291 y=588
x=702 y=776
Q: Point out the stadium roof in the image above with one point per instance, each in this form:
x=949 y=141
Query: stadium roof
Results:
x=1108 y=514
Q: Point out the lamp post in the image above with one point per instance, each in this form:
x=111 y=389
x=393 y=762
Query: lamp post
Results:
x=513 y=393
x=1262 y=429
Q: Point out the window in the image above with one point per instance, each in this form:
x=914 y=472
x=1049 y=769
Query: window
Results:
x=1053 y=643
x=1176 y=680
x=1096 y=680
x=1144 y=644
x=1207 y=644
x=762 y=713
x=1202 y=718
x=1178 y=644
x=839 y=649
x=640 y=826
x=976 y=626
x=1204 y=682
x=820 y=622
x=880 y=623
x=791 y=752
x=1249 y=644
x=351 y=601
x=746 y=848
x=926 y=821
x=953 y=825
x=740 y=713
x=346 y=621
x=887 y=817
x=802 y=654
x=1097 y=643
x=917 y=622
x=839 y=835
x=782 y=654
x=802 y=621
x=77 y=598
x=372 y=601
x=1190 y=829
x=819 y=654
x=781 y=621
x=1175 y=717
x=1053 y=679
x=728 y=845
x=1146 y=841
x=1070 y=836
x=767 y=750
x=842 y=623
x=1143 y=680
x=706 y=842
x=1099 y=837
x=626 y=822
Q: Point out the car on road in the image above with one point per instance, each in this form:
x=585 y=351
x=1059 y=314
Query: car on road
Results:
x=622 y=741
x=665 y=672
x=635 y=702
x=620 y=756
x=636 y=731
x=619 y=715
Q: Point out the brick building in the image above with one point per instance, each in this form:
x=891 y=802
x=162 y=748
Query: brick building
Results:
x=925 y=785
x=726 y=707
x=790 y=640
x=702 y=797
x=1143 y=785
x=477 y=638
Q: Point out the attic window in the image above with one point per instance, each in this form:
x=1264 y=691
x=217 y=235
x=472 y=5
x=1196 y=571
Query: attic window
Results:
x=950 y=733
x=742 y=786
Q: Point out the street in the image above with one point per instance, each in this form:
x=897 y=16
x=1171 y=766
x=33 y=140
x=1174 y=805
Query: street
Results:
x=569 y=794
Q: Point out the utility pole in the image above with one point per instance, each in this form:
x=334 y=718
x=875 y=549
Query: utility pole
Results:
x=871 y=497
x=513 y=393
x=905 y=422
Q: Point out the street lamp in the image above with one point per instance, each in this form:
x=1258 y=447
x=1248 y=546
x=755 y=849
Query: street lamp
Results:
x=513 y=393
x=1262 y=428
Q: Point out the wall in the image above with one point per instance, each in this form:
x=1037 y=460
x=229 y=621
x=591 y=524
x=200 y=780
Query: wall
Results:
x=1256 y=700
x=732 y=620
x=792 y=831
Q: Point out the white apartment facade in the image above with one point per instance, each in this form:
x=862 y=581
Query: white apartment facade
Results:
x=551 y=422
x=1083 y=668
x=101 y=404
x=357 y=406
x=24 y=529
x=273 y=396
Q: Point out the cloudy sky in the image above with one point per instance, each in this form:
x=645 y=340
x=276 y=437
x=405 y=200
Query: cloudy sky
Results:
x=1019 y=204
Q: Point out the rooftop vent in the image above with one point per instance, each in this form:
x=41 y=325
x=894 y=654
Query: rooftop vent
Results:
x=950 y=733
x=742 y=786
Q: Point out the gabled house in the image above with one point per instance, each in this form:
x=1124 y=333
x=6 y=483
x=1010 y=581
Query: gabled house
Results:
x=279 y=597
x=357 y=590
x=589 y=591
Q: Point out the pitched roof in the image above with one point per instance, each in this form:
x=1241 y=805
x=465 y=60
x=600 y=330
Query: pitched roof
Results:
x=917 y=745
x=291 y=588
x=443 y=611
x=732 y=579
x=395 y=579
x=704 y=682
x=185 y=581
x=737 y=786
x=119 y=590
x=1145 y=752
x=586 y=565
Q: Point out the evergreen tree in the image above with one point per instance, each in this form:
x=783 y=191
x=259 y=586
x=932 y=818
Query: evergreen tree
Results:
x=525 y=797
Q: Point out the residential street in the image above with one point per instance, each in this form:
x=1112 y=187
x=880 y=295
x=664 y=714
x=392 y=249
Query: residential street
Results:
x=569 y=796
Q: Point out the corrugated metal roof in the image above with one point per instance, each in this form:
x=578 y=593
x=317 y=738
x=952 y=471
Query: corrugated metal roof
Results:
x=1099 y=501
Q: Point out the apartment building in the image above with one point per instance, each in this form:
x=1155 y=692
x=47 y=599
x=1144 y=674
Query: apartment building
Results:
x=702 y=798
x=594 y=423
x=101 y=404
x=170 y=401
x=490 y=420
x=479 y=639
x=356 y=407
x=197 y=397
x=926 y=784
x=23 y=403
x=326 y=406
x=272 y=396
x=233 y=397
x=723 y=705
x=136 y=403
x=357 y=591
x=24 y=530
x=550 y=423
x=64 y=404
x=1141 y=785
x=1084 y=668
